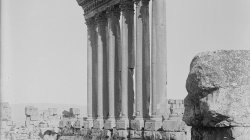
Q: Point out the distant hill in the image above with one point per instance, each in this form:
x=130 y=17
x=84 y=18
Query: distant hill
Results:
x=18 y=114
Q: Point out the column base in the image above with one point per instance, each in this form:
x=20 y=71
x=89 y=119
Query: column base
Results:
x=153 y=124
x=88 y=124
x=98 y=124
x=122 y=124
x=109 y=124
x=137 y=124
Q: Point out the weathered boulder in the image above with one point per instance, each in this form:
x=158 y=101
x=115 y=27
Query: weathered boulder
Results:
x=218 y=88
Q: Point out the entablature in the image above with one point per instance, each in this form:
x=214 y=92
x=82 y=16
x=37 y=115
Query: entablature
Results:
x=92 y=7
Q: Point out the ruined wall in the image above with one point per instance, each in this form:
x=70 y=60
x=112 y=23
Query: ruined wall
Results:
x=6 y=122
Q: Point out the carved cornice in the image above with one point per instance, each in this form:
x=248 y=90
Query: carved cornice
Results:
x=93 y=7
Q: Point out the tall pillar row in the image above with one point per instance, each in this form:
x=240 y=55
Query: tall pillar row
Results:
x=111 y=96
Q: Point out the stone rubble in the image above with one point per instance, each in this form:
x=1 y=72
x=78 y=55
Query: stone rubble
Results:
x=37 y=123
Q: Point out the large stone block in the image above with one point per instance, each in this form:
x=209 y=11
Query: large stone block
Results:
x=122 y=124
x=35 y=117
x=30 y=110
x=109 y=124
x=174 y=136
x=219 y=133
x=88 y=124
x=74 y=111
x=98 y=124
x=136 y=134
x=137 y=124
x=52 y=111
x=152 y=135
x=218 y=88
x=123 y=133
x=153 y=125
x=174 y=126
x=5 y=113
x=78 y=124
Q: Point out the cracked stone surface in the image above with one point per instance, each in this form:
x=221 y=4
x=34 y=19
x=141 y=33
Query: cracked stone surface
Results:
x=218 y=88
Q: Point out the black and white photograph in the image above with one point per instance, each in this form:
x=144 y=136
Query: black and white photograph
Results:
x=124 y=70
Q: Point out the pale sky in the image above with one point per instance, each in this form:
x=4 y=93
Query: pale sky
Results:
x=44 y=45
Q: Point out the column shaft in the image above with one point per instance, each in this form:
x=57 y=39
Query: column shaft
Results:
x=100 y=75
x=142 y=64
x=139 y=65
x=142 y=59
x=111 y=62
x=113 y=19
x=158 y=65
x=90 y=72
x=159 y=59
x=101 y=45
x=127 y=23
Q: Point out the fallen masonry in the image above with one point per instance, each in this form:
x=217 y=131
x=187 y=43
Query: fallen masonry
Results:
x=217 y=105
x=38 y=125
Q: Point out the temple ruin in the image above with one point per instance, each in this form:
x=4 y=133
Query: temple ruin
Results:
x=116 y=52
x=126 y=67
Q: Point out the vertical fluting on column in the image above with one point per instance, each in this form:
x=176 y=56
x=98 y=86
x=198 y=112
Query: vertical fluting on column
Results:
x=101 y=42
x=113 y=14
x=158 y=60
x=90 y=45
x=127 y=49
x=142 y=64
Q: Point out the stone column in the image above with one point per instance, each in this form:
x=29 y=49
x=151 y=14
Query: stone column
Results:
x=101 y=42
x=90 y=45
x=142 y=64
x=158 y=64
x=113 y=14
x=127 y=23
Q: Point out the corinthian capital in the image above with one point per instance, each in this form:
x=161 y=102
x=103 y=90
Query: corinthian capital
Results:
x=144 y=2
x=90 y=22
x=127 y=5
x=114 y=12
x=101 y=21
